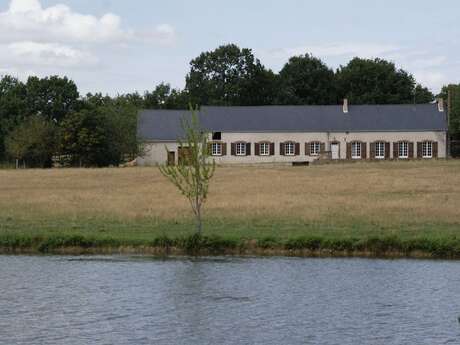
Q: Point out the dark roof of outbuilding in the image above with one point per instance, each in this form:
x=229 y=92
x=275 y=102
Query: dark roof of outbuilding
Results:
x=166 y=124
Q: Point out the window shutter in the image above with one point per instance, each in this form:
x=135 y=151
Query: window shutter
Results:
x=282 y=149
x=387 y=150
x=248 y=149
x=272 y=149
x=348 y=150
x=307 y=149
x=395 y=150
x=372 y=151
x=411 y=150
x=224 y=149
x=323 y=147
x=257 y=149
x=419 y=150
x=297 y=149
x=233 y=149
x=363 y=150
x=435 y=149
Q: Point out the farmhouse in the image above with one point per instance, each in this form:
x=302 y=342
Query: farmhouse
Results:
x=301 y=134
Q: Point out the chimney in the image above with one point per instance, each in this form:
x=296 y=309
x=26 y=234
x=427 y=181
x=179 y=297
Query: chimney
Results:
x=345 y=106
x=441 y=105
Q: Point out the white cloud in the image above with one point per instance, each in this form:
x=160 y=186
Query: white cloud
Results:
x=45 y=54
x=27 y=20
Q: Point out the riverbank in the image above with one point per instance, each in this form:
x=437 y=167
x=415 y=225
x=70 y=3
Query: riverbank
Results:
x=259 y=237
x=388 y=209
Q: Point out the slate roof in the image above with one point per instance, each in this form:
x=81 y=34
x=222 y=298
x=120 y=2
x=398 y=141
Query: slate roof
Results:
x=166 y=124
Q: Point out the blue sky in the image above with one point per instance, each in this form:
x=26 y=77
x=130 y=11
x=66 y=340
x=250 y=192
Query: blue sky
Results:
x=117 y=46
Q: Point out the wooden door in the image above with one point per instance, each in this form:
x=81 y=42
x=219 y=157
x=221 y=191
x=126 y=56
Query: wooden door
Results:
x=171 y=158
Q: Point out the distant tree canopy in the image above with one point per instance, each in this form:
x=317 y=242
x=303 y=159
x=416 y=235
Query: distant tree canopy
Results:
x=306 y=80
x=378 y=81
x=229 y=75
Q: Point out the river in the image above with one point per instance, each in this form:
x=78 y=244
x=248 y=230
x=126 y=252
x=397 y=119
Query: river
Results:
x=137 y=300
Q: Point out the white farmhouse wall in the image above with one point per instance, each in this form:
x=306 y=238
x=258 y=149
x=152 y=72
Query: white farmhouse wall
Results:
x=156 y=152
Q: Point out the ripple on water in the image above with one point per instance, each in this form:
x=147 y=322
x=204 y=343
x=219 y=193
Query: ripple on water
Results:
x=143 y=300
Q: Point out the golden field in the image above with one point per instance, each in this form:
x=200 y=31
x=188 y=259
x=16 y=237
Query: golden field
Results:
x=418 y=196
x=417 y=191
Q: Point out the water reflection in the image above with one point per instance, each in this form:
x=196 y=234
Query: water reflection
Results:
x=139 y=300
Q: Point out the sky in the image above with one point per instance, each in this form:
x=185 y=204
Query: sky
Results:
x=120 y=46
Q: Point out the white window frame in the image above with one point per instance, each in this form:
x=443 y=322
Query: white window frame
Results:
x=380 y=150
x=289 y=148
x=356 y=150
x=315 y=148
x=264 y=149
x=240 y=149
x=403 y=149
x=427 y=149
x=216 y=149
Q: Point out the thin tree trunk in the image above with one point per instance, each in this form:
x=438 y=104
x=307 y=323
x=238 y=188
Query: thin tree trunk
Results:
x=199 y=225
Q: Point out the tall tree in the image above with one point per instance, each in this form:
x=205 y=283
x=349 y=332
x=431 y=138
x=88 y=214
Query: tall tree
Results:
x=53 y=97
x=33 y=142
x=451 y=94
x=13 y=107
x=422 y=95
x=306 y=80
x=165 y=97
x=225 y=76
x=376 y=81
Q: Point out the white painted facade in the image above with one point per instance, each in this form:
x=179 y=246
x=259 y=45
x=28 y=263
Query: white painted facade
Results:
x=156 y=152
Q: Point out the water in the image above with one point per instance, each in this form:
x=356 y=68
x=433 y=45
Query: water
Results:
x=119 y=300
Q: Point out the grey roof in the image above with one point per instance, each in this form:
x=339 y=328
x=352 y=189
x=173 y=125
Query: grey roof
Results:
x=166 y=124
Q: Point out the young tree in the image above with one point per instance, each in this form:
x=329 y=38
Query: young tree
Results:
x=193 y=173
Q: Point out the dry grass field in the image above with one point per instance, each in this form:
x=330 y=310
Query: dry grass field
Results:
x=404 y=198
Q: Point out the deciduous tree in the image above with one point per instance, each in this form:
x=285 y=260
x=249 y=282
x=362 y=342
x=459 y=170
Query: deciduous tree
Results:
x=226 y=76
x=194 y=172
x=365 y=81
x=306 y=80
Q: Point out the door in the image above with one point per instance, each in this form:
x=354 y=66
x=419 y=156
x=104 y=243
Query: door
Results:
x=335 y=151
x=171 y=158
x=184 y=154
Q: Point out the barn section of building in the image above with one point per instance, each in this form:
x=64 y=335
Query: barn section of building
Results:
x=296 y=134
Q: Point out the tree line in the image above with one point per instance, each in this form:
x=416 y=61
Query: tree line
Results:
x=45 y=121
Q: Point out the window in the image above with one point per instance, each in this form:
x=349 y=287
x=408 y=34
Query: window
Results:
x=355 y=150
x=217 y=136
x=315 y=148
x=216 y=149
x=289 y=149
x=404 y=149
x=241 y=149
x=264 y=149
x=380 y=150
x=427 y=149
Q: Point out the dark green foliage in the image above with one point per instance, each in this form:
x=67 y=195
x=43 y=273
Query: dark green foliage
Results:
x=165 y=97
x=306 y=80
x=230 y=76
x=53 y=97
x=365 y=81
x=33 y=142
x=13 y=108
x=422 y=95
x=100 y=135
